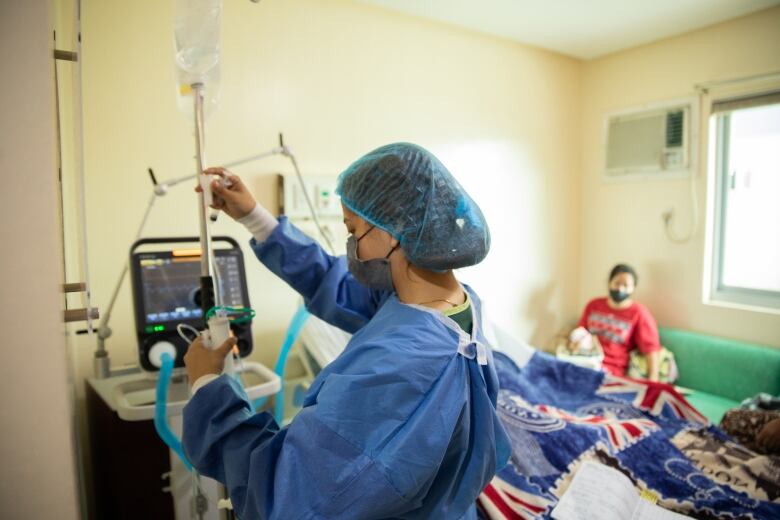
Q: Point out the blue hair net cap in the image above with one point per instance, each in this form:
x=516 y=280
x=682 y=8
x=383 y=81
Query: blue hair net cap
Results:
x=405 y=190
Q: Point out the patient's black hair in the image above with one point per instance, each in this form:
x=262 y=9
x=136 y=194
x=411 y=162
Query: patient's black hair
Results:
x=623 y=268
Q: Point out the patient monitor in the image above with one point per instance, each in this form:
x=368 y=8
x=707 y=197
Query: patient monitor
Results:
x=165 y=276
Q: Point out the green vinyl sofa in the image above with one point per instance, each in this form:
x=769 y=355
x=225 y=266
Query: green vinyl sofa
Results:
x=719 y=372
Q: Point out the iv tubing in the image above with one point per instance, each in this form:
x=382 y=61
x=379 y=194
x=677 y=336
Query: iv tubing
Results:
x=206 y=268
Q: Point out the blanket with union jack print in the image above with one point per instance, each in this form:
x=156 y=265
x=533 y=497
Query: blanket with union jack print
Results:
x=558 y=415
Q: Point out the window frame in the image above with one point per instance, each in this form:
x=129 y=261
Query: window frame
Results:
x=719 y=292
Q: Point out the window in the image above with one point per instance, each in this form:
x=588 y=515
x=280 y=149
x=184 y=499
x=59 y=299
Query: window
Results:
x=746 y=253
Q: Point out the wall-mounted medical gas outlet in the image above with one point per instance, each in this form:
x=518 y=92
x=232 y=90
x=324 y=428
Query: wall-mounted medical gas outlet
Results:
x=322 y=194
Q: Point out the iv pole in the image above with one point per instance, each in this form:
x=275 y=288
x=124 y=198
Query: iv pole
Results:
x=208 y=296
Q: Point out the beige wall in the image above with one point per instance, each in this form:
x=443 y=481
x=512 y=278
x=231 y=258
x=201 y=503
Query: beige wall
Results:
x=622 y=221
x=521 y=128
x=37 y=473
x=338 y=78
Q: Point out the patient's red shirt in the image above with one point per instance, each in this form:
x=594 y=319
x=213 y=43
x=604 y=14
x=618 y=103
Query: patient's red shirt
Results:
x=620 y=331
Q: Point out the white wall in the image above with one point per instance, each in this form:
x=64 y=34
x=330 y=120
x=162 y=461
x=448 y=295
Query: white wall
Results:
x=622 y=221
x=37 y=473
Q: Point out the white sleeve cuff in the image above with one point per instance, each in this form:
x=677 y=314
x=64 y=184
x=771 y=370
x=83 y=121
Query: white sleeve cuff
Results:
x=203 y=381
x=259 y=222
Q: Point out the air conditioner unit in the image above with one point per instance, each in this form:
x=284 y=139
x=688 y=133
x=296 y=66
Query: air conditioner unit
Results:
x=652 y=141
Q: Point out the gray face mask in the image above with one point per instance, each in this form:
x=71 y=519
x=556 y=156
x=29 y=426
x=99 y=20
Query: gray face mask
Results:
x=374 y=273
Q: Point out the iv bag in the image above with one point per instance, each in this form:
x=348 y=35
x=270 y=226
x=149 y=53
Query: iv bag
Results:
x=196 y=28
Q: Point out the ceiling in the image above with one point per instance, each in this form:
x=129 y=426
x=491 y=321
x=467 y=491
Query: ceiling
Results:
x=584 y=29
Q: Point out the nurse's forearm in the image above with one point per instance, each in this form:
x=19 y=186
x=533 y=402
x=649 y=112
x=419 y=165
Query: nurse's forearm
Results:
x=652 y=366
x=218 y=414
x=330 y=292
x=260 y=223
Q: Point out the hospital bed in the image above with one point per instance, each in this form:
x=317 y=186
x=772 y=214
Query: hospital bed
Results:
x=561 y=416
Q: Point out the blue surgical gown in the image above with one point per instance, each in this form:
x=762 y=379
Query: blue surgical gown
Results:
x=401 y=425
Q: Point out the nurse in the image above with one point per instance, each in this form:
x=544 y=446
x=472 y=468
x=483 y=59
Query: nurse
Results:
x=403 y=422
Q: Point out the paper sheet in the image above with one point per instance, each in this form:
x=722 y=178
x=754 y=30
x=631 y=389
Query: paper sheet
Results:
x=598 y=491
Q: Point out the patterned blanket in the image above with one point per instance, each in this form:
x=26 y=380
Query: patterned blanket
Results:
x=559 y=415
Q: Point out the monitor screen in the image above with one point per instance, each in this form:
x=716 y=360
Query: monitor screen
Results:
x=169 y=284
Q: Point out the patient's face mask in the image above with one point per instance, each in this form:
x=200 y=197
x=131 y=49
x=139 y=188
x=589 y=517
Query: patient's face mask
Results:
x=619 y=295
x=374 y=273
x=621 y=287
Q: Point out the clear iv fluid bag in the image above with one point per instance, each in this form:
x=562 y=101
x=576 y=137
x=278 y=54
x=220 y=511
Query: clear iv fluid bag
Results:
x=197 y=28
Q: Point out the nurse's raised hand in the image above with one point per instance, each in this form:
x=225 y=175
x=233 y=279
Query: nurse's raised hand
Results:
x=230 y=193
